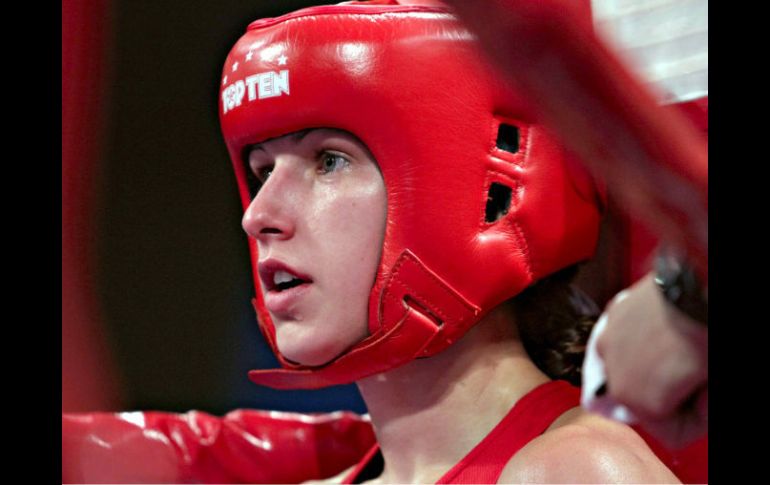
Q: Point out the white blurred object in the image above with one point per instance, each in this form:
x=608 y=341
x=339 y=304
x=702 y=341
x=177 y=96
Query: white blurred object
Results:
x=594 y=376
x=664 y=41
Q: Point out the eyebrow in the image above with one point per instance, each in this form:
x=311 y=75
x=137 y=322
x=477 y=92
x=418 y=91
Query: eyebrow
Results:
x=296 y=137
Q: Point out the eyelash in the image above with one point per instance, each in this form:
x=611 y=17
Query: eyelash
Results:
x=258 y=179
x=324 y=155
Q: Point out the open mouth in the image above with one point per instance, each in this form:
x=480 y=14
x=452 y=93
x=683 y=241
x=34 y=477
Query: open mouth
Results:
x=286 y=282
x=284 y=287
x=283 y=280
x=278 y=277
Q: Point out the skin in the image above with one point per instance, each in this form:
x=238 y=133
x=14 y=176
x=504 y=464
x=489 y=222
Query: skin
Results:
x=423 y=434
x=321 y=210
x=664 y=384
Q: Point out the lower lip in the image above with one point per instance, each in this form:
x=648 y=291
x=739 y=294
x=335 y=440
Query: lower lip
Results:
x=281 y=302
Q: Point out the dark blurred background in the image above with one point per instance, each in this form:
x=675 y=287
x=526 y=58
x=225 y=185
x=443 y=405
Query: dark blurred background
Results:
x=156 y=274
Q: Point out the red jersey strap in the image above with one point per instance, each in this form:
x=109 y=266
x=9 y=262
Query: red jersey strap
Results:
x=529 y=418
x=355 y=473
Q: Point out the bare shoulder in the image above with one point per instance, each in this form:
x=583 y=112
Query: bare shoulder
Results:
x=586 y=448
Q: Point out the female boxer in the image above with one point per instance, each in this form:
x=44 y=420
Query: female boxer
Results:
x=411 y=227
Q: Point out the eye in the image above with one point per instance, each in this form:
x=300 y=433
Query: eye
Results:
x=263 y=173
x=260 y=174
x=331 y=162
x=256 y=178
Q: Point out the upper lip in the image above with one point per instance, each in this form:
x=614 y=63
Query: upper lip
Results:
x=269 y=267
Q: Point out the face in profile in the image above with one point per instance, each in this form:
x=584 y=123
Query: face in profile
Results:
x=319 y=222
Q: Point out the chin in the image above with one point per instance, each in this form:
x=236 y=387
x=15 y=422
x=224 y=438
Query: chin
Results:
x=307 y=349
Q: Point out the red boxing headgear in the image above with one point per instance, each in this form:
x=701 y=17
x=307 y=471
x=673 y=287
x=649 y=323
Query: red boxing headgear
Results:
x=482 y=202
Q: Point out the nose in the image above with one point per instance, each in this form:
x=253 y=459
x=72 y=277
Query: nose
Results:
x=269 y=215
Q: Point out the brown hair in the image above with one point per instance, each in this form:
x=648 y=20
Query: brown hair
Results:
x=554 y=319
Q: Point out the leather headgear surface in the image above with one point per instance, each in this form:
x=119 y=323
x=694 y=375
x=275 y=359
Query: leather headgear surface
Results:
x=411 y=83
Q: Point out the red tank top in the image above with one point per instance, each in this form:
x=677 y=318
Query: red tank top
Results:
x=529 y=418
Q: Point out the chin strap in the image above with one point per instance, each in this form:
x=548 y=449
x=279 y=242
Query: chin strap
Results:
x=410 y=322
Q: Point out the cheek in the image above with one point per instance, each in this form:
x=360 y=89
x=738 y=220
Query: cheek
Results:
x=351 y=226
x=351 y=230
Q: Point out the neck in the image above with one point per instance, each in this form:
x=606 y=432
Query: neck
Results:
x=430 y=413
